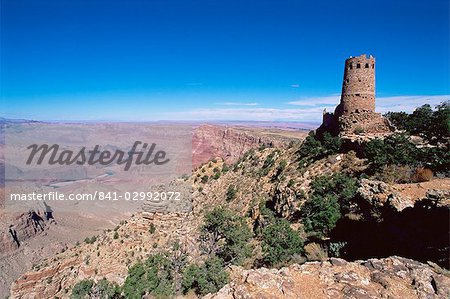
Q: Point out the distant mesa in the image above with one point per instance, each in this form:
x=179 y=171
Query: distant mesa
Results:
x=355 y=114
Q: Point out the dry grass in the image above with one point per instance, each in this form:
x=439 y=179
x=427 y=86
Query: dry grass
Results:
x=422 y=175
x=315 y=252
x=395 y=174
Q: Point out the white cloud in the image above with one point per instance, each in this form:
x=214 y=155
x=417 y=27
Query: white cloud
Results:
x=259 y=114
x=384 y=104
x=295 y=85
x=238 y=104
x=330 y=100
x=310 y=110
x=408 y=103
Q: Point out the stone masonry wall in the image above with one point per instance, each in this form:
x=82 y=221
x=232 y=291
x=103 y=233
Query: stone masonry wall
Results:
x=358 y=87
x=363 y=123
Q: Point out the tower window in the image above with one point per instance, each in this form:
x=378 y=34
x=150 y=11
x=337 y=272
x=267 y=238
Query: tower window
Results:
x=366 y=66
x=373 y=66
x=358 y=65
x=350 y=66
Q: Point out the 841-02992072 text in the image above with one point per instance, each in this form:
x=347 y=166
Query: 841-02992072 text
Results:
x=98 y=195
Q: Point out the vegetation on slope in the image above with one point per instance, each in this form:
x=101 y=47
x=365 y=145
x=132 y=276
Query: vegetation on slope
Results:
x=288 y=220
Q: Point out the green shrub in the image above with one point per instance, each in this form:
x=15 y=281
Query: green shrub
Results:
x=282 y=165
x=154 y=277
x=152 y=228
x=90 y=240
x=395 y=149
x=290 y=183
x=336 y=249
x=205 y=179
x=437 y=159
x=310 y=149
x=226 y=235
x=314 y=148
x=398 y=119
x=268 y=163
x=225 y=168
x=231 y=193
x=358 y=131
x=106 y=290
x=320 y=214
x=82 y=289
x=340 y=186
x=266 y=218
x=136 y=283
x=439 y=130
x=280 y=242
x=280 y=169
x=433 y=125
x=206 y=278
x=330 y=144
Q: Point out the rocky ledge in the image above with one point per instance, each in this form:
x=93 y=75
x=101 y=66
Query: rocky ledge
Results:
x=392 y=277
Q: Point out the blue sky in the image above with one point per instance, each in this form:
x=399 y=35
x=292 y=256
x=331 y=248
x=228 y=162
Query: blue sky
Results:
x=208 y=60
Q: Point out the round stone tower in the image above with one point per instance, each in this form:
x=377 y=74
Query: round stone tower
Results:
x=358 y=87
x=355 y=113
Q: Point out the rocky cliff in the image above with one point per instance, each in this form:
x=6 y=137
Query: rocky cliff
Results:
x=229 y=143
x=16 y=229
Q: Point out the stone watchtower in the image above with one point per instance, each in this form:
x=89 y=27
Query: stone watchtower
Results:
x=358 y=87
x=355 y=113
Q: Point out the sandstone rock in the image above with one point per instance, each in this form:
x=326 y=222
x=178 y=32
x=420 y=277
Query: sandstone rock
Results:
x=392 y=277
x=402 y=196
x=285 y=201
x=16 y=230
x=439 y=197
x=373 y=191
x=211 y=141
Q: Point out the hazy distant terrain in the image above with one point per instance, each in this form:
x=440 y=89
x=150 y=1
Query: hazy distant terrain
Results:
x=73 y=221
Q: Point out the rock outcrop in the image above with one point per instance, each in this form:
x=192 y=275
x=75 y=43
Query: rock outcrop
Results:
x=402 y=196
x=392 y=277
x=16 y=230
x=211 y=141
